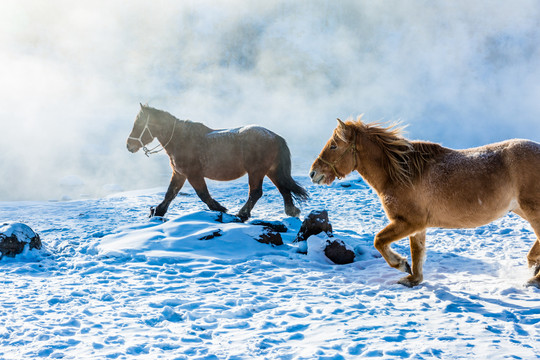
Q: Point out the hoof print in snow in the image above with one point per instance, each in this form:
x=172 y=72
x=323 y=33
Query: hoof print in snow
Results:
x=213 y=234
x=269 y=236
x=315 y=223
x=274 y=225
x=15 y=236
x=337 y=251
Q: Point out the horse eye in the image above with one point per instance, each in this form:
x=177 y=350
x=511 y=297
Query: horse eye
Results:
x=333 y=147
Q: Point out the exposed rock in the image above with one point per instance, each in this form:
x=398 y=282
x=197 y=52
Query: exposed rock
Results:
x=15 y=236
x=212 y=235
x=270 y=236
x=337 y=251
x=274 y=225
x=315 y=223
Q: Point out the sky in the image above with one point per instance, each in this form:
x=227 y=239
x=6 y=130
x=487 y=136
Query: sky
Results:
x=459 y=73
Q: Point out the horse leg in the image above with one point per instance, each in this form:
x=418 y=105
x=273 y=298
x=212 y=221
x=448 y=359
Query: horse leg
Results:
x=290 y=209
x=199 y=185
x=255 y=193
x=392 y=232
x=533 y=257
x=418 y=251
x=527 y=212
x=177 y=181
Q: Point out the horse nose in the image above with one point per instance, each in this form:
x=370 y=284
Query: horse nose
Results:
x=312 y=174
x=130 y=147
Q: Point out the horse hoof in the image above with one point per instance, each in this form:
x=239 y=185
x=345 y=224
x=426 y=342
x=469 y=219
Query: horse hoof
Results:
x=533 y=282
x=152 y=212
x=536 y=269
x=243 y=217
x=408 y=268
x=293 y=212
x=220 y=209
x=404 y=267
x=409 y=281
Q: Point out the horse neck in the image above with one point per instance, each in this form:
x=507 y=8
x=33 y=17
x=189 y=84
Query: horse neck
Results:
x=369 y=165
x=162 y=126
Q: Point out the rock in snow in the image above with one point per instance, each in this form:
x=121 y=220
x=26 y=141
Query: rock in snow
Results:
x=337 y=251
x=15 y=236
x=270 y=236
x=315 y=223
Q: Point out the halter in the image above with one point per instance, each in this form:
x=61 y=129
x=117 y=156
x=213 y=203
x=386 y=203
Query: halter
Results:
x=332 y=165
x=147 y=151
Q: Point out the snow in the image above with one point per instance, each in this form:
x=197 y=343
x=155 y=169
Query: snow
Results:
x=22 y=231
x=110 y=283
x=235 y=131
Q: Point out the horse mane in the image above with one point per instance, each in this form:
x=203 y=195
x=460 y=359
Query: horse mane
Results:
x=192 y=125
x=403 y=160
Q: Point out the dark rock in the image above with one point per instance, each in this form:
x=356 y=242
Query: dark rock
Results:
x=337 y=252
x=315 y=223
x=269 y=236
x=274 y=225
x=15 y=236
x=212 y=235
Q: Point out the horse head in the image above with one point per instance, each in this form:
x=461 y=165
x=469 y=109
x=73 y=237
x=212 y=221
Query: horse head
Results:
x=140 y=135
x=338 y=157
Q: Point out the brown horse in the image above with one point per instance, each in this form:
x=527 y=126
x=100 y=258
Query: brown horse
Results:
x=422 y=185
x=197 y=152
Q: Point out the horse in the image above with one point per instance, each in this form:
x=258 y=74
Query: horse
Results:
x=197 y=152
x=423 y=184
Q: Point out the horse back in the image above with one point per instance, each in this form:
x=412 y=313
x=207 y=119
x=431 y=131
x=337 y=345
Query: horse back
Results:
x=472 y=187
x=229 y=154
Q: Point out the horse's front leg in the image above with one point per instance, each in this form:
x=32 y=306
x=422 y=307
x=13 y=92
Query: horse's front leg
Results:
x=198 y=183
x=392 y=232
x=255 y=193
x=418 y=251
x=177 y=181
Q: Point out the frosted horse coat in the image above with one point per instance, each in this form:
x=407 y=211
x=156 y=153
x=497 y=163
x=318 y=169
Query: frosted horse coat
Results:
x=422 y=185
x=198 y=152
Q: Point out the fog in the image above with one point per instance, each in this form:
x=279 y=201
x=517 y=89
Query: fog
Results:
x=460 y=73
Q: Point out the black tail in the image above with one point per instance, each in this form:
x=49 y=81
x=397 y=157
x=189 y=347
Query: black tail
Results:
x=283 y=173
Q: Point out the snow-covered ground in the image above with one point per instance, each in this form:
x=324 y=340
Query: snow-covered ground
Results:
x=110 y=283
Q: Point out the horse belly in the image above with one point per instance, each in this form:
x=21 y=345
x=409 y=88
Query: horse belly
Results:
x=467 y=209
x=472 y=196
x=472 y=216
x=223 y=163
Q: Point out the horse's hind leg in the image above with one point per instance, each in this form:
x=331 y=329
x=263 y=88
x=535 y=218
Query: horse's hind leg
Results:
x=290 y=209
x=527 y=211
x=533 y=257
x=177 y=181
x=418 y=251
x=255 y=193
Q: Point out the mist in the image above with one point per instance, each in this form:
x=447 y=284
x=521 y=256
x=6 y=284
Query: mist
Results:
x=459 y=73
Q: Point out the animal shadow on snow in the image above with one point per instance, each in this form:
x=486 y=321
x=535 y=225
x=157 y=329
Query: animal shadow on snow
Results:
x=449 y=263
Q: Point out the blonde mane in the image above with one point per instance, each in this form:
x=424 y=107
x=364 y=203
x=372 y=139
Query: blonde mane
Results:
x=404 y=160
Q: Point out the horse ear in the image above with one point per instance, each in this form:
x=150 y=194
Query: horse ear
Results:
x=343 y=131
x=142 y=106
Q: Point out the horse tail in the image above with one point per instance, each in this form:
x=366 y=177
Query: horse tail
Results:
x=283 y=173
